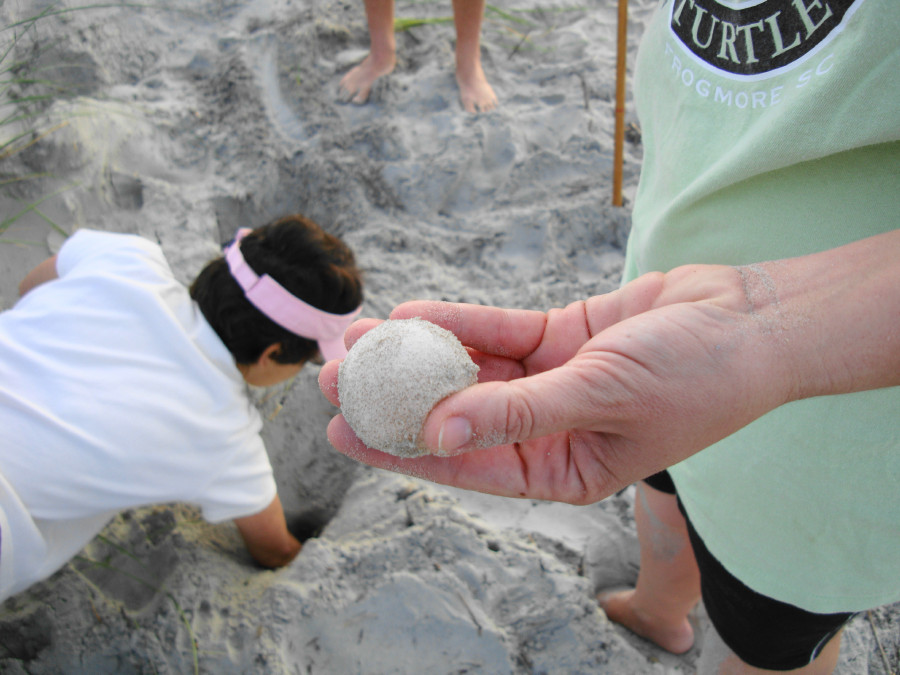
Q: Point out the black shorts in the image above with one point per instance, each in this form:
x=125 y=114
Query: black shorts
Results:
x=761 y=631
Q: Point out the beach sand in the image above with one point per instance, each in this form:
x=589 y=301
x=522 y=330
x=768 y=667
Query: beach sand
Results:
x=181 y=125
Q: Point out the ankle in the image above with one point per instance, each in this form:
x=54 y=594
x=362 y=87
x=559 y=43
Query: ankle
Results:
x=383 y=56
x=383 y=66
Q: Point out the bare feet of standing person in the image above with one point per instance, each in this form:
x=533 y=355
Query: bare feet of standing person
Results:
x=668 y=584
x=476 y=94
x=356 y=85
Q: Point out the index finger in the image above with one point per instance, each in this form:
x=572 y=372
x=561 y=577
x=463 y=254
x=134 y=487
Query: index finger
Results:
x=328 y=376
x=511 y=333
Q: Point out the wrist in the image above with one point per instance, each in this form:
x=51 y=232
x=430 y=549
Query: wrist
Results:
x=830 y=320
x=768 y=290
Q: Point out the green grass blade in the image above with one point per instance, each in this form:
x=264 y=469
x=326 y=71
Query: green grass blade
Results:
x=506 y=15
x=5 y=224
x=401 y=25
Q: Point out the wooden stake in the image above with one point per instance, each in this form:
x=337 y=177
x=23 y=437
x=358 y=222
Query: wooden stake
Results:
x=621 y=50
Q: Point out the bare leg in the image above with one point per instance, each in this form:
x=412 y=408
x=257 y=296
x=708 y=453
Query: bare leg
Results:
x=668 y=584
x=356 y=85
x=475 y=93
x=718 y=659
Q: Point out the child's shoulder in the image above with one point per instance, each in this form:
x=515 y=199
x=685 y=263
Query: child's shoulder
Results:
x=96 y=248
x=87 y=241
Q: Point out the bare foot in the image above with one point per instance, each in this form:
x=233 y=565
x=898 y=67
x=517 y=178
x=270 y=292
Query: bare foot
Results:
x=619 y=607
x=356 y=85
x=475 y=93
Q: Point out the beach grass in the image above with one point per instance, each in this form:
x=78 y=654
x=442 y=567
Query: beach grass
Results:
x=24 y=95
x=27 y=90
x=520 y=23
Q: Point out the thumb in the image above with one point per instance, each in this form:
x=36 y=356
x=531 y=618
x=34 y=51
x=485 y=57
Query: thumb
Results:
x=498 y=413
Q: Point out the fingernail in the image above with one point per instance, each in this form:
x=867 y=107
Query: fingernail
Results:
x=455 y=433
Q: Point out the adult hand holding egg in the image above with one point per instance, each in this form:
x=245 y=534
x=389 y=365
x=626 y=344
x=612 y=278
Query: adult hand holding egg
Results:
x=577 y=403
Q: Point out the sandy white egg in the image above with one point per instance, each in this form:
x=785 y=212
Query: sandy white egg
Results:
x=394 y=375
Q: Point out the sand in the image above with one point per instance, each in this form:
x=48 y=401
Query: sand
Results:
x=392 y=378
x=181 y=125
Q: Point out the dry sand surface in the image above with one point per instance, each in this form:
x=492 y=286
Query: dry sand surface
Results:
x=180 y=125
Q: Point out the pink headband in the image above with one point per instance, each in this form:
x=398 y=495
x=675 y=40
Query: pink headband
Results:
x=287 y=310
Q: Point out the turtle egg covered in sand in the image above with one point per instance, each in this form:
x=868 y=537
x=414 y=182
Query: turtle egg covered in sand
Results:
x=392 y=378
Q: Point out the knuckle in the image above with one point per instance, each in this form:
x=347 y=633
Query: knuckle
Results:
x=520 y=419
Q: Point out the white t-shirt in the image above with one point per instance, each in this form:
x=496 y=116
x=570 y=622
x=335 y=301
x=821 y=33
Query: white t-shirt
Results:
x=772 y=130
x=115 y=393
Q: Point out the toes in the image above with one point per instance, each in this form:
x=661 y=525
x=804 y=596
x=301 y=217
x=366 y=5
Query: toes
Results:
x=361 y=97
x=611 y=600
x=348 y=94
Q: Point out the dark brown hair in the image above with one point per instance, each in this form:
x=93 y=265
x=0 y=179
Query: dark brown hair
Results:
x=315 y=266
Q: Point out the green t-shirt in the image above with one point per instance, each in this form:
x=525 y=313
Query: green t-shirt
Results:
x=772 y=129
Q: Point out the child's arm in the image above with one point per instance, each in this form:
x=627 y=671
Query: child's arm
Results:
x=43 y=272
x=267 y=537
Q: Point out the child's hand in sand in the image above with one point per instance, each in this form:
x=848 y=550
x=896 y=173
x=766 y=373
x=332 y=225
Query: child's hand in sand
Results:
x=580 y=402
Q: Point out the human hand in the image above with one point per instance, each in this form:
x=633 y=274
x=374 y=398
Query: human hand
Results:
x=578 y=403
x=267 y=537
